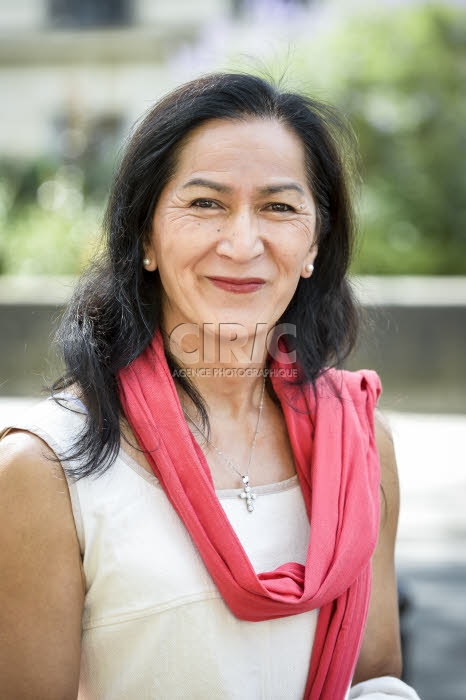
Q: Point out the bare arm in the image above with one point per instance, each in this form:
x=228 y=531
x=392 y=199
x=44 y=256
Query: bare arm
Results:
x=381 y=649
x=41 y=582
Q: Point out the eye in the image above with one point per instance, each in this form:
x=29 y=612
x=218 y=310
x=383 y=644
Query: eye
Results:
x=280 y=207
x=204 y=204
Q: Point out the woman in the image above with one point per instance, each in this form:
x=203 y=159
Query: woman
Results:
x=209 y=531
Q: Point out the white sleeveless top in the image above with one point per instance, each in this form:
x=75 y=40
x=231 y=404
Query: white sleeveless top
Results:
x=154 y=624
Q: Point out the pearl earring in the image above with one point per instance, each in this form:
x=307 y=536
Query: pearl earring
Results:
x=146 y=262
x=309 y=267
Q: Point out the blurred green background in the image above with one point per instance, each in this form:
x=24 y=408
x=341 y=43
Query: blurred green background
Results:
x=398 y=74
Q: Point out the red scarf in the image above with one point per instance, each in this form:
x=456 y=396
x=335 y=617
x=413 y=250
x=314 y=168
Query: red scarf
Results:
x=332 y=438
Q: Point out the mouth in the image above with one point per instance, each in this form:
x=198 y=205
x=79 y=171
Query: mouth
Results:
x=237 y=285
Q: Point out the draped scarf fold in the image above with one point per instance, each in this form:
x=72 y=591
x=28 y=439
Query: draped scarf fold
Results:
x=331 y=431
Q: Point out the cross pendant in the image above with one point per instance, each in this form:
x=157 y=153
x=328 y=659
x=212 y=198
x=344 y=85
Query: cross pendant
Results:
x=247 y=493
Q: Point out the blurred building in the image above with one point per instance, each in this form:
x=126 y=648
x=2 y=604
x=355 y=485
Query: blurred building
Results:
x=74 y=72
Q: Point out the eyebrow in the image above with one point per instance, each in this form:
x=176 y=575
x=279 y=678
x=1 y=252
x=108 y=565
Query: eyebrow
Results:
x=267 y=190
x=274 y=189
x=201 y=182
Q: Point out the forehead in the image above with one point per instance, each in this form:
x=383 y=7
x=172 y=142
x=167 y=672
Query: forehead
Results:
x=250 y=148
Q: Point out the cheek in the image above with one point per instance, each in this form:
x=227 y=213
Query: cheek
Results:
x=185 y=232
x=177 y=257
x=297 y=236
x=292 y=254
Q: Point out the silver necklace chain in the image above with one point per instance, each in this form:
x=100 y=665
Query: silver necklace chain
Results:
x=247 y=494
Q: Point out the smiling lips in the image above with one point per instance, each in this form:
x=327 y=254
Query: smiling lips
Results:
x=238 y=285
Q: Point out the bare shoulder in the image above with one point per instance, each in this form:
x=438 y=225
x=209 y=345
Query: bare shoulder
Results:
x=381 y=649
x=21 y=451
x=32 y=478
x=41 y=589
x=388 y=473
x=383 y=431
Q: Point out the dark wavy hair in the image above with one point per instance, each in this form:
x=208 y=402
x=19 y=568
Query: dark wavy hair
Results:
x=116 y=306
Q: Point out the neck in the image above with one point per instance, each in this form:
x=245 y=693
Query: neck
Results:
x=228 y=377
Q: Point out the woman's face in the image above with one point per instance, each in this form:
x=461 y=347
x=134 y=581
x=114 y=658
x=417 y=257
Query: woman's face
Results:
x=235 y=227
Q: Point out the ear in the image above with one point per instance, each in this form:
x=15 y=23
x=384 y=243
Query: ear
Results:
x=149 y=261
x=308 y=262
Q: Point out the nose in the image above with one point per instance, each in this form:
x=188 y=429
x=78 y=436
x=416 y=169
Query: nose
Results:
x=240 y=238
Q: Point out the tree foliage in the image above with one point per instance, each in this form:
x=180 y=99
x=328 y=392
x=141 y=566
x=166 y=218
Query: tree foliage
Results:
x=400 y=77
